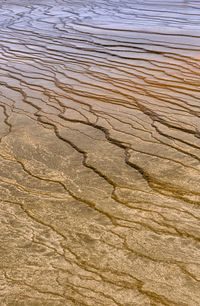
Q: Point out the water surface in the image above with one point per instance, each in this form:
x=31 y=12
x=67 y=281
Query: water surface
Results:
x=99 y=152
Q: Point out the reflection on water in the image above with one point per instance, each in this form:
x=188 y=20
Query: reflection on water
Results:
x=99 y=152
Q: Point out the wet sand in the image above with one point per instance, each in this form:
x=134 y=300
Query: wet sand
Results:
x=99 y=152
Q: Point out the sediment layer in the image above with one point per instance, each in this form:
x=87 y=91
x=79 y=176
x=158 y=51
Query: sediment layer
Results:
x=99 y=153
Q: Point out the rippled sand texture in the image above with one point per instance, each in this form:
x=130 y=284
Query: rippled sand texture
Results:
x=99 y=152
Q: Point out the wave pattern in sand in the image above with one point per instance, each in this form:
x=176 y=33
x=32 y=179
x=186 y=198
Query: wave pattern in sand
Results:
x=99 y=152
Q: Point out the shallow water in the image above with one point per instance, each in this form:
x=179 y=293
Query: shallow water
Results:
x=99 y=152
